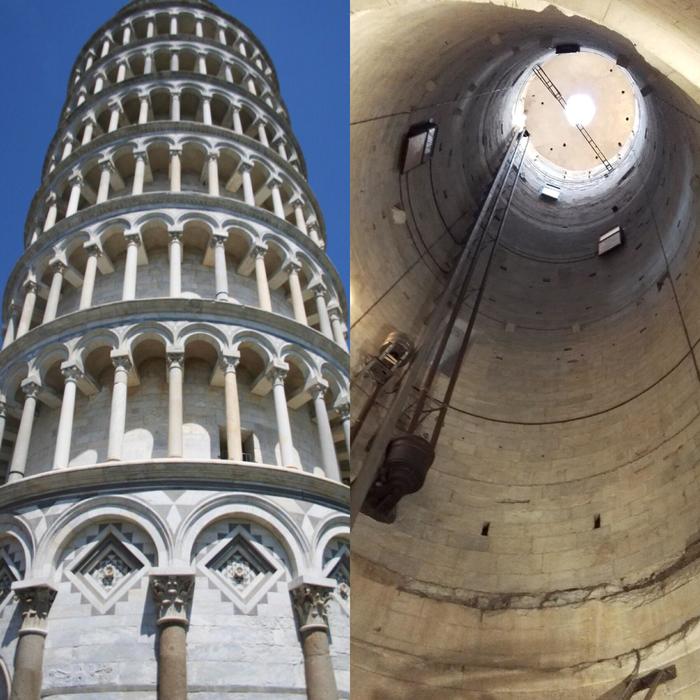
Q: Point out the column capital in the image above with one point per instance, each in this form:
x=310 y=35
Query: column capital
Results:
x=310 y=600
x=246 y=166
x=278 y=138
x=121 y=360
x=75 y=179
x=176 y=358
x=343 y=411
x=277 y=371
x=51 y=198
x=230 y=361
x=175 y=92
x=219 y=237
x=31 y=286
x=106 y=164
x=172 y=592
x=30 y=387
x=292 y=266
x=92 y=248
x=3 y=409
x=213 y=155
x=139 y=153
x=89 y=119
x=175 y=150
x=318 y=389
x=296 y=201
x=319 y=289
x=275 y=181
x=258 y=250
x=36 y=599
x=115 y=103
x=58 y=265
x=133 y=237
x=175 y=234
x=72 y=373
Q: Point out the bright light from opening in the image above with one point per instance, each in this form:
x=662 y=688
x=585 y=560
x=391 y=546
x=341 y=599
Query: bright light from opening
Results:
x=580 y=109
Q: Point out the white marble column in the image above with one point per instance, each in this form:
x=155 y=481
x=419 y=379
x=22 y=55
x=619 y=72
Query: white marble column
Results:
x=25 y=320
x=64 y=435
x=105 y=48
x=325 y=435
x=176 y=366
x=175 y=264
x=93 y=252
x=126 y=36
x=261 y=278
x=220 y=271
x=24 y=434
x=206 y=111
x=114 y=117
x=228 y=73
x=175 y=170
x=281 y=148
x=284 y=430
x=202 y=64
x=148 y=63
x=173 y=24
x=344 y=414
x=248 y=193
x=324 y=321
x=175 y=106
x=277 y=204
x=315 y=237
x=262 y=133
x=174 y=61
x=222 y=35
x=76 y=182
x=121 y=72
x=11 y=329
x=54 y=291
x=88 y=131
x=337 y=326
x=213 y=174
x=106 y=170
x=133 y=241
x=150 y=28
x=198 y=28
x=67 y=147
x=51 y=211
x=139 y=172
x=3 y=420
x=99 y=84
x=117 y=416
x=234 y=442
x=297 y=295
x=237 y=123
x=143 y=109
x=299 y=215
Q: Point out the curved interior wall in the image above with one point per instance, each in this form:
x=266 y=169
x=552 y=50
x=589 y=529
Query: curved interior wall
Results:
x=579 y=394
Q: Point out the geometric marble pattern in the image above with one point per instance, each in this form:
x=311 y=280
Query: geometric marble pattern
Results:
x=11 y=569
x=243 y=561
x=106 y=561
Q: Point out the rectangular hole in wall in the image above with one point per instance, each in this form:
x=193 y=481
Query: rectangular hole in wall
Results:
x=248 y=445
x=596 y=522
x=485 y=529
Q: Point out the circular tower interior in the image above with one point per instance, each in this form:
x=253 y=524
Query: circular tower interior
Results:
x=173 y=385
x=553 y=550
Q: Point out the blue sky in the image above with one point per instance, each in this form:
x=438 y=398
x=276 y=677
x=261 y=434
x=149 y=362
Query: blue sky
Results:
x=309 y=45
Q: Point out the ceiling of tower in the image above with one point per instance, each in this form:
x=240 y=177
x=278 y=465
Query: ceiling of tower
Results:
x=612 y=95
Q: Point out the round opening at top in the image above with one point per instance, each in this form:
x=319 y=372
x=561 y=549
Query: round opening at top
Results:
x=571 y=90
x=580 y=109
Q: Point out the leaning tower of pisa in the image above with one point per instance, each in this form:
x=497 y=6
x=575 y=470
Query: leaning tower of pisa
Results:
x=173 y=386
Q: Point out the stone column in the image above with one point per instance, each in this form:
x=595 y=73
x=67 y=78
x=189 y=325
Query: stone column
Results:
x=89 y=277
x=3 y=420
x=99 y=84
x=51 y=212
x=315 y=237
x=121 y=73
x=220 y=273
x=213 y=174
x=176 y=365
x=261 y=278
x=251 y=86
x=299 y=216
x=284 y=429
x=147 y=62
x=344 y=414
x=126 y=37
x=76 y=182
x=175 y=263
x=198 y=28
x=281 y=148
x=206 y=111
x=65 y=423
x=262 y=133
x=89 y=130
x=24 y=434
x=35 y=600
x=293 y=269
x=173 y=24
x=150 y=28
x=11 y=325
x=310 y=602
x=68 y=147
x=172 y=593
x=105 y=48
x=114 y=117
x=133 y=241
x=175 y=170
x=325 y=435
x=139 y=172
x=228 y=72
x=277 y=204
x=143 y=109
x=237 y=123
x=337 y=326
x=175 y=106
x=25 y=320
x=233 y=412
x=174 y=61
x=117 y=417
x=106 y=169
x=248 y=193
x=324 y=320
x=54 y=291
